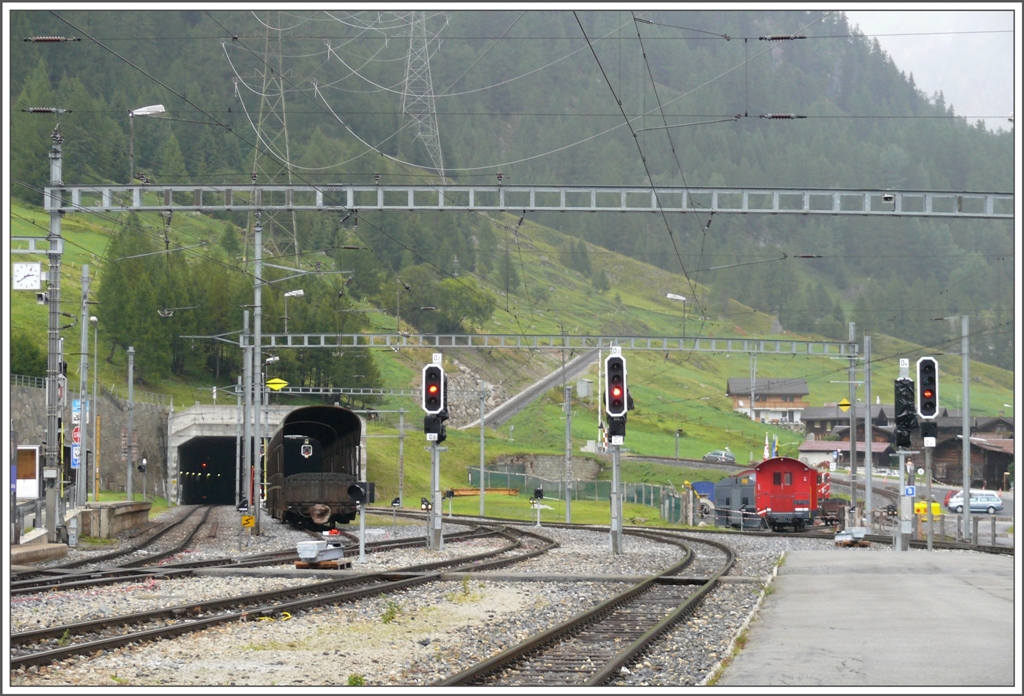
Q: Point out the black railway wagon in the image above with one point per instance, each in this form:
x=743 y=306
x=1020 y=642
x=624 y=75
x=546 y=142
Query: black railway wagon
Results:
x=313 y=460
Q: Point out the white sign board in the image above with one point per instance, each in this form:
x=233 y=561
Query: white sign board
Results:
x=437 y=358
x=929 y=442
x=76 y=411
x=76 y=456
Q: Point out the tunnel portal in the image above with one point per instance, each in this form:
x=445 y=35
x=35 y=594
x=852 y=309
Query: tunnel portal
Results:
x=206 y=471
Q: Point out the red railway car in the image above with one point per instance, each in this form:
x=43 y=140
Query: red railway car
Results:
x=787 y=493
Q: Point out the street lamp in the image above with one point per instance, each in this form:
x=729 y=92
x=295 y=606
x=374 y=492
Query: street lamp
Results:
x=144 y=111
x=95 y=407
x=294 y=293
x=679 y=298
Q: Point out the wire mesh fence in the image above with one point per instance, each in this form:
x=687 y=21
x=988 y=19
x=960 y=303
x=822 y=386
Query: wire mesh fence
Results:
x=639 y=493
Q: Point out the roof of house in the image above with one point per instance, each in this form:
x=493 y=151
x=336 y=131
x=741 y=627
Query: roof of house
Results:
x=841 y=445
x=993 y=444
x=788 y=386
x=833 y=412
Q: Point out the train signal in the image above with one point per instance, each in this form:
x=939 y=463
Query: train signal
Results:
x=433 y=389
x=615 y=395
x=905 y=402
x=357 y=493
x=434 y=428
x=396 y=503
x=538 y=493
x=425 y=505
x=142 y=467
x=927 y=387
x=307 y=449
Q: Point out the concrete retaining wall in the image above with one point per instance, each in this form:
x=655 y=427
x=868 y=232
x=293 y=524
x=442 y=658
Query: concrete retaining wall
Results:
x=28 y=416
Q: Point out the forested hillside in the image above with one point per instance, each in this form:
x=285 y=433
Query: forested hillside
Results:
x=541 y=98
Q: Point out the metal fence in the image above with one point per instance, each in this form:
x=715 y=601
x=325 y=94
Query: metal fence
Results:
x=28 y=381
x=120 y=393
x=639 y=493
x=140 y=397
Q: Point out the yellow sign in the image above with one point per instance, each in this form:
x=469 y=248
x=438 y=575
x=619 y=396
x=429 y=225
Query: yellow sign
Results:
x=248 y=521
x=844 y=404
x=921 y=508
x=276 y=384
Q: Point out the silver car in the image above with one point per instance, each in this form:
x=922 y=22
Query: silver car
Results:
x=720 y=456
x=980 y=502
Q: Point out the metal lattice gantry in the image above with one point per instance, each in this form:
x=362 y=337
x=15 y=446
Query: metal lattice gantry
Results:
x=624 y=199
x=437 y=342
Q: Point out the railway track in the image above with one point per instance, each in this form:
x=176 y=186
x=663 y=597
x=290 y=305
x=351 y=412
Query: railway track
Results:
x=590 y=648
x=56 y=643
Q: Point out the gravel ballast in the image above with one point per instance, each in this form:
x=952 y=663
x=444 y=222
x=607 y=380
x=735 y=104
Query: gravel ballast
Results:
x=412 y=638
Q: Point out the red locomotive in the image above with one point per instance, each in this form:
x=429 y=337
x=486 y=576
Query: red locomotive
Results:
x=788 y=493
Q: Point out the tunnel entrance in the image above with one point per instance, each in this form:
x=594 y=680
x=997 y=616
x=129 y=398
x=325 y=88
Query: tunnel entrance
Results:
x=206 y=471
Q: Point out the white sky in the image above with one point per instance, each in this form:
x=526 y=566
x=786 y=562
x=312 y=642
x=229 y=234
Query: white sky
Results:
x=973 y=71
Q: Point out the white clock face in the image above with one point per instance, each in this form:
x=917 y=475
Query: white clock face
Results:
x=26 y=276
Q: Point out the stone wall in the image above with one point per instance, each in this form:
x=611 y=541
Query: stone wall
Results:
x=550 y=467
x=28 y=416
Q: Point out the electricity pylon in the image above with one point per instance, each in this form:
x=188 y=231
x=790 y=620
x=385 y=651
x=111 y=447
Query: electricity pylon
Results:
x=272 y=127
x=418 y=94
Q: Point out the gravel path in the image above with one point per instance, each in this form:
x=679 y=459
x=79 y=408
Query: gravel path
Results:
x=412 y=638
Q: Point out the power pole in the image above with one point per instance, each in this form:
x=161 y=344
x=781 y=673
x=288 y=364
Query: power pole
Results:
x=966 y=427
x=568 y=450
x=54 y=394
x=401 y=453
x=82 y=473
x=418 y=92
x=131 y=422
x=483 y=396
x=853 y=423
x=868 y=453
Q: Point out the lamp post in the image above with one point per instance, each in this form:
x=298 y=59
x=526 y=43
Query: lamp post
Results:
x=679 y=298
x=95 y=409
x=144 y=111
x=294 y=293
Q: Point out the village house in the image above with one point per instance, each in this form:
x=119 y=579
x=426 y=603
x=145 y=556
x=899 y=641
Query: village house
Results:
x=769 y=400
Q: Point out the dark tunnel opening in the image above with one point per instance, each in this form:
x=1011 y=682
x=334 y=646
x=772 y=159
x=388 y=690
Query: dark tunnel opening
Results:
x=206 y=471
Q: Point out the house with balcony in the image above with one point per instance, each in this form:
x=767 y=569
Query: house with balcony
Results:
x=769 y=399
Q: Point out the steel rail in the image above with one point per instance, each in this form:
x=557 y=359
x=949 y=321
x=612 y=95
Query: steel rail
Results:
x=374 y=584
x=591 y=616
x=689 y=605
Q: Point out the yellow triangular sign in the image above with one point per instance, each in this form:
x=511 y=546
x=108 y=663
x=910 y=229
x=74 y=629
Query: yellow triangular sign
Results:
x=276 y=384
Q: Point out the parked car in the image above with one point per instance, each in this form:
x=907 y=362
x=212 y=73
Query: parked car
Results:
x=720 y=456
x=980 y=502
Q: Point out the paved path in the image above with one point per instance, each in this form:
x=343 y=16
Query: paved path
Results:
x=869 y=618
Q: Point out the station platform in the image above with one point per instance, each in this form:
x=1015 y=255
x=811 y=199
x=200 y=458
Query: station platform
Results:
x=868 y=618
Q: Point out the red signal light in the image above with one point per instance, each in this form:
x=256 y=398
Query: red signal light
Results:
x=928 y=394
x=616 y=391
x=432 y=389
